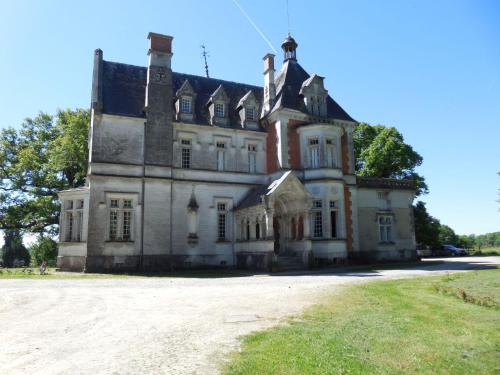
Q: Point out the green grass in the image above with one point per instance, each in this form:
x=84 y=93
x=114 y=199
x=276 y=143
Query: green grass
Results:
x=489 y=251
x=34 y=273
x=387 y=327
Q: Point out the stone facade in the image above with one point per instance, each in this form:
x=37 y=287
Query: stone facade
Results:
x=193 y=172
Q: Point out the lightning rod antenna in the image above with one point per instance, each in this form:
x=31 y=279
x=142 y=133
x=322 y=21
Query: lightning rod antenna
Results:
x=287 y=17
x=205 y=54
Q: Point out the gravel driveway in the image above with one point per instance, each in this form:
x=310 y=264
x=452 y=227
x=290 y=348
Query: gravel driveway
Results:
x=157 y=325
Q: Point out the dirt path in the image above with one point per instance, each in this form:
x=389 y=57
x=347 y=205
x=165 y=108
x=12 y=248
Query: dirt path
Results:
x=157 y=325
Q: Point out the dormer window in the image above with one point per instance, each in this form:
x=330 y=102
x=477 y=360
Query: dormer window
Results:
x=250 y=113
x=248 y=110
x=186 y=97
x=220 y=110
x=186 y=105
x=315 y=95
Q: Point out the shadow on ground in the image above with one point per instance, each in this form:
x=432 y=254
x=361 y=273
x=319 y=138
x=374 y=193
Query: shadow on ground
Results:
x=441 y=264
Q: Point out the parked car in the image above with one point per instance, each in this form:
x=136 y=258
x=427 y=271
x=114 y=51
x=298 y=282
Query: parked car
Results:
x=453 y=251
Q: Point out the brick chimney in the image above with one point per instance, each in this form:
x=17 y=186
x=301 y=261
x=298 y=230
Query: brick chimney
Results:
x=158 y=106
x=269 y=87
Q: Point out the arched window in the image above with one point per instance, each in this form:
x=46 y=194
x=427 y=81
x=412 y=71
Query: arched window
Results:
x=257 y=230
x=242 y=230
x=248 y=230
x=294 y=229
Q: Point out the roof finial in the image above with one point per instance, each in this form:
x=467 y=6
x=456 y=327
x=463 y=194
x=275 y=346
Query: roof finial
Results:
x=205 y=54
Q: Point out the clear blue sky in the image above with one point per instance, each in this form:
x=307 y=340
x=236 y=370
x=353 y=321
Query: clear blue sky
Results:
x=429 y=68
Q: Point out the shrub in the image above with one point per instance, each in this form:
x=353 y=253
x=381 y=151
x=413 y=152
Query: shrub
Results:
x=44 y=249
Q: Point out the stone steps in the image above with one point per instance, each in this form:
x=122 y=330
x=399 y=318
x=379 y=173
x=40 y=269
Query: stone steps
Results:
x=290 y=263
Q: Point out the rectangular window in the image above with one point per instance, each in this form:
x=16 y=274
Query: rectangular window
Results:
x=249 y=113
x=318 y=224
x=220 y=156
x=252 y=158
x=314 y=153
x=317 y=203
x=221 y=223
x=186 y=157
x=385 y=228
x=80 y=203
x=330 y=154
x=219 y=110
x=252 y=162
x=69 y=205
x=120 y=219
x=185 y=105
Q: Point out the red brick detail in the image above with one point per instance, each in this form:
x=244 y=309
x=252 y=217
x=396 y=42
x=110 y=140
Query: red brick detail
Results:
x=162 y=43
x=348 y=217
x=345 y=154
x=294 y=144
x=272 y=148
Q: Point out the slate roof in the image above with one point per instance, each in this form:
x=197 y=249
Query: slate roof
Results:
x=288 y=85
x=124 y=90
x=255 y=195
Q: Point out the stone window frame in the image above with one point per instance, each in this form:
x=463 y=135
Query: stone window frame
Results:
x=221 y=147
x=385 y=224
x=220 y=109
x=186 y=104
x=252 y=157
x=331 y=152
x=334 y=207
x=227 y=212
x=122 y=207
x=186 y=148
x=317 y=219
x=313 y=148
x=73 y=210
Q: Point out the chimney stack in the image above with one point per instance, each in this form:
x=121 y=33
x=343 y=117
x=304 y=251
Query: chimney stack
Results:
x=269 y=87
x=158 y=106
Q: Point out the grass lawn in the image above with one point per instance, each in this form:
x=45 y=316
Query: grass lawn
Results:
x=409 y=326
x=490 y=250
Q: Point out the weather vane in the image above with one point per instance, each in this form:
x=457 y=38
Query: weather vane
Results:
x=205 y=54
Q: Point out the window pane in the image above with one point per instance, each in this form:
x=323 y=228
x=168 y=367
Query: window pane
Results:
x=318 y=224
x=186 y=158
x=127 y=203
x=219 y=110
x=113 y=203
x=113 y=224
x=185 y=105
x=69 y=226
x=250 y=113
x=222 y=227
x=127 y=219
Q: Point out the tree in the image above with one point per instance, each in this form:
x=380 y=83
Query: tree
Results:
x=46 y=155
x=381 y=152
x=447 y=235
x=44 y=249
x=426 y=227
x=13 y=251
